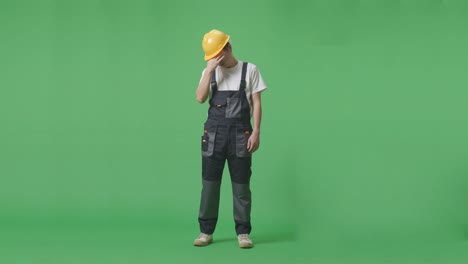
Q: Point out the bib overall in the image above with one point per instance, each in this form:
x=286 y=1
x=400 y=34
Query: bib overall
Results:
x=225 y=137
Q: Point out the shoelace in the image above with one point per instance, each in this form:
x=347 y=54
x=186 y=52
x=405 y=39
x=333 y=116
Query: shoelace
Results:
x=202 y=236
x=244 y=237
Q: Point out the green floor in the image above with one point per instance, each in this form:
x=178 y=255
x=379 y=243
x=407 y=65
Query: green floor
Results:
x=118 y=244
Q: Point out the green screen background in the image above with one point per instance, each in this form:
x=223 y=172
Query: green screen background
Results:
x=363 y=154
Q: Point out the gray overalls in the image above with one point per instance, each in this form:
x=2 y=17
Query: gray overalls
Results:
x=226 y=133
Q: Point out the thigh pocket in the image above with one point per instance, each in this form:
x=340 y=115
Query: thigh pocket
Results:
x=242 y=137
x=208 y=140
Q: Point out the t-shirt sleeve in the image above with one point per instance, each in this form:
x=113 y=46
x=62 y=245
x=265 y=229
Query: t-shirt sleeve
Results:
x=256 y=81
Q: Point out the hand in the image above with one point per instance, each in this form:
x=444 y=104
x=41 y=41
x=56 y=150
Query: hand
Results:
x=213 y=63
x=254 y=142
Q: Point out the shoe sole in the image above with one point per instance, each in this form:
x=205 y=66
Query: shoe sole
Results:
x=202 y=244
x=245 y=245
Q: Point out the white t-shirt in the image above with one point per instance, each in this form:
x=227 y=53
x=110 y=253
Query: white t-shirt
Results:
x=228 y=79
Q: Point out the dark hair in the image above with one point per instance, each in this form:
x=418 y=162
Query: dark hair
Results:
x=226 y=46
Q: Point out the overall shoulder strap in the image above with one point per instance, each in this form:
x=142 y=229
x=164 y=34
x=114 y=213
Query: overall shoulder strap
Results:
x=213 y=83
x=244 y=73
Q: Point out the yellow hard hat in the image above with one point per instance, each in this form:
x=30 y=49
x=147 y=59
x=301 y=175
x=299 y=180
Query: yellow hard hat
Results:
x=213 y=42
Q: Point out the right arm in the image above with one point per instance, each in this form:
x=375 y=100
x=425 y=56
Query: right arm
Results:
x=204 y=85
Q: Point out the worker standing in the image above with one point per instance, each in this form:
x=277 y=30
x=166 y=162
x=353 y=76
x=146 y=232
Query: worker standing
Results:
x=234 y=89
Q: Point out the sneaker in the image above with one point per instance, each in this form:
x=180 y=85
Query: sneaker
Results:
x=203 y=240
x=244 y=241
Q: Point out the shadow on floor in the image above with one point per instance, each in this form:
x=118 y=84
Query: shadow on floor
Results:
x=263 y=238
x=274 y=238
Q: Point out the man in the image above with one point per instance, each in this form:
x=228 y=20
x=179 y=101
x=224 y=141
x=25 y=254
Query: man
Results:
x=234 y=88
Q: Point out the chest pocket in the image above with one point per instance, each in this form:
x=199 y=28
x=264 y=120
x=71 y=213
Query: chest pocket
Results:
x=234 y=106
x=230 y=104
